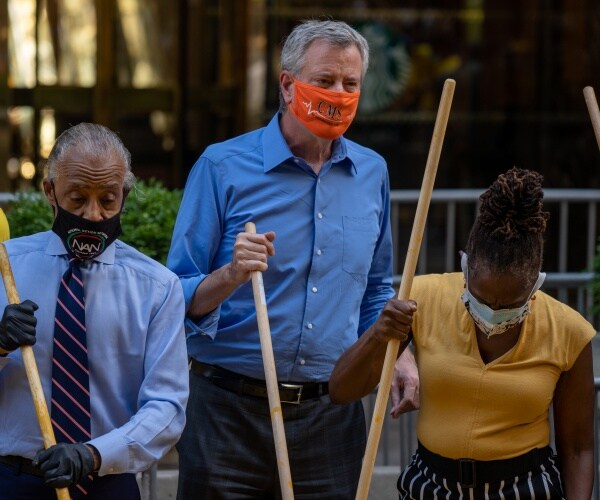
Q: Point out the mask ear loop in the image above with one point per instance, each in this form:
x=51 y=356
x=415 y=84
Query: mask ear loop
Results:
x=464 y=266
x=463 y=262
x=537 y=286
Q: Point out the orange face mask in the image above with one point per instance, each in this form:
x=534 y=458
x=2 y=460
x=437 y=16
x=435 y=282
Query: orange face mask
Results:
x=326 y=113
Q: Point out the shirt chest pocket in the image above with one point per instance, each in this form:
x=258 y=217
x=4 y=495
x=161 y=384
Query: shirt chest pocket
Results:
x=359 y=239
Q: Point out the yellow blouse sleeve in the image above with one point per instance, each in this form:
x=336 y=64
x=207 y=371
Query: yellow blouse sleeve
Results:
x=4 y=229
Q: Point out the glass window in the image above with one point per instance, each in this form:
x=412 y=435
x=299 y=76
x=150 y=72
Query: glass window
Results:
x=147 y=43
x=21 y=43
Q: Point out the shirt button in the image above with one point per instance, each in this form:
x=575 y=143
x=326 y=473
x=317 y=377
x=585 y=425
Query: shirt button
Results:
x=302 y=362
x=309 y=326
x=315 y=289
x=320 y=215
x=319 y=251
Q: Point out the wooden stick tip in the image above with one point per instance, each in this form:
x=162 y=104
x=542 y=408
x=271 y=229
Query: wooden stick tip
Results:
x=450 y=82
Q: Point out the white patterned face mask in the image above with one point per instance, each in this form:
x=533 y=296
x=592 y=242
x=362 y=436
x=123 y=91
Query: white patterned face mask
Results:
x=490 y=321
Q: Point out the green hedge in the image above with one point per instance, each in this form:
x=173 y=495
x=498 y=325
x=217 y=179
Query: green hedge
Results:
x=148 y=217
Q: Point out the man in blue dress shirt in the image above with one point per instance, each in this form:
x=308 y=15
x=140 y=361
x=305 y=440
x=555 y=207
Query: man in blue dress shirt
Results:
x=321 y=207
x=134 y=307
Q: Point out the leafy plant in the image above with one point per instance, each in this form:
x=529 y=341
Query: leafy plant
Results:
x=29 y=213
x=148 y=217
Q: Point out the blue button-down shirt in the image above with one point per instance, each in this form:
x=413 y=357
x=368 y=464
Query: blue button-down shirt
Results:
x=136 y=352
x=332 y=269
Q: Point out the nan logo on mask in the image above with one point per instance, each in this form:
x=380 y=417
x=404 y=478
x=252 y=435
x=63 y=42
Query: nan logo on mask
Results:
x=86 y=244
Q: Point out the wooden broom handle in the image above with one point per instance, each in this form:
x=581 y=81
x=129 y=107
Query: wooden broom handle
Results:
x=410 y=265
x=33 y=376
x=592 y=105
x=264 y=330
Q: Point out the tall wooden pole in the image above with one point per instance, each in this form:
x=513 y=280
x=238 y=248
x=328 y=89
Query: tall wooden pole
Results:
x=410 y=265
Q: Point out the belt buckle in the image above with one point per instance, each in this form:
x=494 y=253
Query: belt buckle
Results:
x=466 y=472
x=295 y=387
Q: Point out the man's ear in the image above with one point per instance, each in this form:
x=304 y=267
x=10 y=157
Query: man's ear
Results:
x=286 y=82
x=49 y=192
x=50 y=195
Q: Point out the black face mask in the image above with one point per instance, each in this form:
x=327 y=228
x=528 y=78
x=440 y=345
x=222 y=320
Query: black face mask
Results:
x=83 y=238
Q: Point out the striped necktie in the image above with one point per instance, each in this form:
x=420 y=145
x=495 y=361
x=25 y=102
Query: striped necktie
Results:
x=70 y=413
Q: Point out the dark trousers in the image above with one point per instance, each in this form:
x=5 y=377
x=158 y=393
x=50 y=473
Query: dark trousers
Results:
x=227 y=449
x=15 y=485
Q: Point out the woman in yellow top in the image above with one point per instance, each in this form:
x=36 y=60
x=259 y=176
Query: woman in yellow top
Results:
x=493 y=354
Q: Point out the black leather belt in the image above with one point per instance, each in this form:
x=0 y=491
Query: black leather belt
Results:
x=289 y=392
x=471 y=473
x=20 y=465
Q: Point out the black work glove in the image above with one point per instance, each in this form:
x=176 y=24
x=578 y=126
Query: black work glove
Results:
x=64 y=464
x=17 y=326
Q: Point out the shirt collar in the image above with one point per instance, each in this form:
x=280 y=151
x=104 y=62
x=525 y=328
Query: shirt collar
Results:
x=276 y=151
x=340 y=155
x=56 y=247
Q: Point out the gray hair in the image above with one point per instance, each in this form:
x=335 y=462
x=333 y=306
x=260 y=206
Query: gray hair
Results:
x=93 y=139
x=335 y=33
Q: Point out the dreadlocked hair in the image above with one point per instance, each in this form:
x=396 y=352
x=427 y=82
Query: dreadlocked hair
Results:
x=508 y=234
